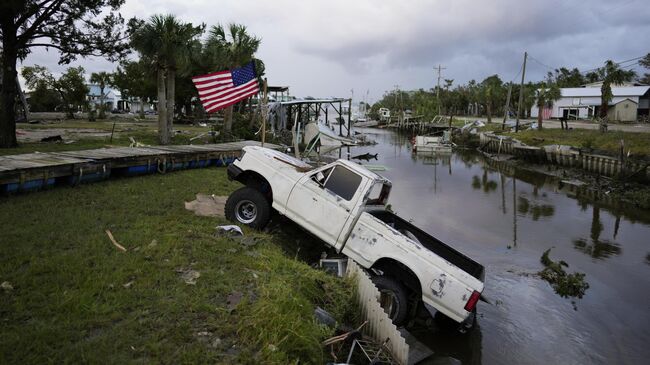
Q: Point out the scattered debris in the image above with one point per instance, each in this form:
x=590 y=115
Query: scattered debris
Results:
x=129 y=284
x=230 y=229
x=234 y=299
x=354 y=334
x=375 y=167
x=366 y=156
x=110 y=236
x=135 y=143
x=153 y=243
x=324 y=318
x=203 y=333
x=6 y=286
x=207 y=205
x=189 y=276
x=216 y=343
x=337 y=267
x=56 y=138
x=566 y=285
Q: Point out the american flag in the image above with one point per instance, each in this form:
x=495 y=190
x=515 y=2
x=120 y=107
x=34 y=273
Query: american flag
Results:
x=221 y=89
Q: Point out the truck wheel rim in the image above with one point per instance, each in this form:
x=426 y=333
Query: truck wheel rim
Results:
x=389 y=302
x=246 y=211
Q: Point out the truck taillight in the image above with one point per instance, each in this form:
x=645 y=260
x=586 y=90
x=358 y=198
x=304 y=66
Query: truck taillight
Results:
x=473 y=299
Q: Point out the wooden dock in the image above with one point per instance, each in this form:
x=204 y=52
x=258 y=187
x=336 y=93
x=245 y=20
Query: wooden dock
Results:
x=34 y=171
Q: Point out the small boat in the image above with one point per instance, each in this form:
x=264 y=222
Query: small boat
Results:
x=424 y=144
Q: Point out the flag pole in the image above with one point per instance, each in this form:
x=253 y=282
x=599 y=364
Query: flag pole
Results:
x=264 y=111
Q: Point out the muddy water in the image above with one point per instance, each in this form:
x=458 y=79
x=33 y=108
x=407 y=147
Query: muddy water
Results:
x=506 y=219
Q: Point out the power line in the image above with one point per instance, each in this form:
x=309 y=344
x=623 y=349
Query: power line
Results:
x=541 y=63
x=589 y=70
x=518 y=73
x=616 y=63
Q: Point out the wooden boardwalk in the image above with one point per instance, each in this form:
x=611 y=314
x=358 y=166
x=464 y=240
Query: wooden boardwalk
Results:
x=33 y=171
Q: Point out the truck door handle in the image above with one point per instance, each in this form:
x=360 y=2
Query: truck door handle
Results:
x=314 y=199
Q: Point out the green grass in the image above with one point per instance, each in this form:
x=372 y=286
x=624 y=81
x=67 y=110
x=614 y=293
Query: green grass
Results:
x=69 y=303
x=637 y=143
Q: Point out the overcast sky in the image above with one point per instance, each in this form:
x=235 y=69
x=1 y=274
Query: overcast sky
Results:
x=326 y=48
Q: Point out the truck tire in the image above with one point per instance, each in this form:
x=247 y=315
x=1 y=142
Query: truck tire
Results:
x=248 y=206
x=392 y=298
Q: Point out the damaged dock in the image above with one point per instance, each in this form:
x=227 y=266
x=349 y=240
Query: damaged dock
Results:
x=34 y=171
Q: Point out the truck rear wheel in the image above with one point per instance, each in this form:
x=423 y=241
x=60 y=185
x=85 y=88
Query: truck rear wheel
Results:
x=248 y=206
x=392 y=298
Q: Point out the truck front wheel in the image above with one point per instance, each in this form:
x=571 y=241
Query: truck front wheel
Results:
x=248 y=206
x=392 y=298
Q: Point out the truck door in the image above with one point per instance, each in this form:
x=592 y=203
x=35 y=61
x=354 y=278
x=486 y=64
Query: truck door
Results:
x=322 y=201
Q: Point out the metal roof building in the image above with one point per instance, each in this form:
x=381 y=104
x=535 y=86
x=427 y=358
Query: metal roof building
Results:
x=629 y=103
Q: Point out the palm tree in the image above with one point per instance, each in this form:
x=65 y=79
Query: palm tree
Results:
x=102 y=79
x=612 y=74
x=167 y=42
x=546 y=94
x=491 y=92
x=232 y=49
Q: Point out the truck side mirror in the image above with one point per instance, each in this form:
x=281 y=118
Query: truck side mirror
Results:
x=320 y=178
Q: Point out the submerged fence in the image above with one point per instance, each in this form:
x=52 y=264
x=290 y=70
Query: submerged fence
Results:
x=566 y=156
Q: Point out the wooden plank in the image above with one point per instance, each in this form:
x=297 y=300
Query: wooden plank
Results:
x=36 y=160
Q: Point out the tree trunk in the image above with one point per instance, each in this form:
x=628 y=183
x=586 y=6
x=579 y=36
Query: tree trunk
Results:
x=539 y=116
x=8 y=93
x=171 y=99
x=488 y=108
x=163 y=132
x=227 y=125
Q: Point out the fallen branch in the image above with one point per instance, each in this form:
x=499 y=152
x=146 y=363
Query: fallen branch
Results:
x=342 y=337
x=110 y=236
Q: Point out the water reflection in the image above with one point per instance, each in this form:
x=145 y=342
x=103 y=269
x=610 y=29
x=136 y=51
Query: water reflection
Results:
x=484 y=182
x=487 y=205
x=536 y=210
x=598 y=248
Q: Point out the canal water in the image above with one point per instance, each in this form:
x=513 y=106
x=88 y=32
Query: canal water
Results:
x=505 y=219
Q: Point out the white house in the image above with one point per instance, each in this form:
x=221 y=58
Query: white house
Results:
x=114 y=101
x=628 y=104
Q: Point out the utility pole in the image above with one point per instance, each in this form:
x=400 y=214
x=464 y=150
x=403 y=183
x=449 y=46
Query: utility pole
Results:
x=440 y=68
x=507 y=108
x=521 y=92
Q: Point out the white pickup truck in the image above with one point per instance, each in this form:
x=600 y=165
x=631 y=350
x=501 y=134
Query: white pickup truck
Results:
x=344 y=204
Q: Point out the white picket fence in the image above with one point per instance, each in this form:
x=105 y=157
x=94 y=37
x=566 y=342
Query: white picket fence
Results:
x=379 y=325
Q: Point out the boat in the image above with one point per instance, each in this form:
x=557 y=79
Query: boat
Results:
x=426 y=144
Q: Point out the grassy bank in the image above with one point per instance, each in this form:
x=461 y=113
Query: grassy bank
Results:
x=637 y=143
x=76 y=298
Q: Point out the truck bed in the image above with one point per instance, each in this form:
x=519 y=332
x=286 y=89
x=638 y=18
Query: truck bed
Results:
x=433 y=244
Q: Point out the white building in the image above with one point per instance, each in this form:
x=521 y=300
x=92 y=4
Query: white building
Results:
x=114 y=101
x=628 y=104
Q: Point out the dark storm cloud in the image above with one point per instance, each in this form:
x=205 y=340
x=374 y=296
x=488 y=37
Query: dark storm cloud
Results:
x=327 y=48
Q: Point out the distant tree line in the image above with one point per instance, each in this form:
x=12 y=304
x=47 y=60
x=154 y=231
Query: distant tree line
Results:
x=488 y=97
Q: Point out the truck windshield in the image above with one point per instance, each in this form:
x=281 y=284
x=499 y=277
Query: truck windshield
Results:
x=378 y=194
